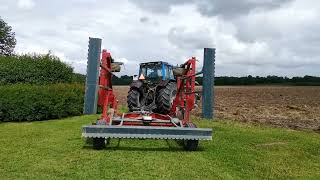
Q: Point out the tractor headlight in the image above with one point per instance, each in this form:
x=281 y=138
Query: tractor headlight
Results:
x=146 y=118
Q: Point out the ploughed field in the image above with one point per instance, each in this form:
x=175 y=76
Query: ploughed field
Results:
x=295 y=107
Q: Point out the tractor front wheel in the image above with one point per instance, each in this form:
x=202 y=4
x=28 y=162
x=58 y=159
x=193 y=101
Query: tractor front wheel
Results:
x=98 y=143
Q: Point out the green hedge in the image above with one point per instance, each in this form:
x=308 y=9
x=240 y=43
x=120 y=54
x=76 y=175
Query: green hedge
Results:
x=25 y=102
x=34 y=69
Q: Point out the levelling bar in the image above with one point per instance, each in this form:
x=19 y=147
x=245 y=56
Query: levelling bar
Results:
x=146 y=132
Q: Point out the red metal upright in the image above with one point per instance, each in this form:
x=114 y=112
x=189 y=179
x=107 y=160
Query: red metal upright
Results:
x=106 y=99
x=185 y=98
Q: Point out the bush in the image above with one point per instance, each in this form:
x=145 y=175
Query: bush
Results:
x=34 y=69
x=25 y=102
x=78 y=78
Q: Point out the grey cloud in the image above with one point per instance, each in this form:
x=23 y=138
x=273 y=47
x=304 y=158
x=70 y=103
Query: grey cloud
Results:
x=234 y=8
x=293 y=39
x=196 y=39
x=144 y=19
x=163 y=6
x=226 y=9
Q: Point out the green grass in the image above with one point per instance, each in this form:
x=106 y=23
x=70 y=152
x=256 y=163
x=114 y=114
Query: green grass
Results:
x=123 y=109
x=54 y=149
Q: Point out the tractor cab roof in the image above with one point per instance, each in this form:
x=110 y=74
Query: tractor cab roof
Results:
x=155 y=63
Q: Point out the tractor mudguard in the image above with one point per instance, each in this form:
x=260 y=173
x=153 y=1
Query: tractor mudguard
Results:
x=136 y=84
x=163 y=83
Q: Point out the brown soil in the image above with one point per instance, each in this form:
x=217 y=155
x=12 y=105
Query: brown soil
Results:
x=283 y=106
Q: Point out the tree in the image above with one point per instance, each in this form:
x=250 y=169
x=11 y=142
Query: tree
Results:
x=7 y=39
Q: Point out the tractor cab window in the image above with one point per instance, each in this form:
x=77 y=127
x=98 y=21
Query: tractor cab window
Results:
x=169 y=73
x=151 y=72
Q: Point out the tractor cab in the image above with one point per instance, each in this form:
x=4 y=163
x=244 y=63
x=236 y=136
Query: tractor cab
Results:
x=155 y=88
x=156 y=71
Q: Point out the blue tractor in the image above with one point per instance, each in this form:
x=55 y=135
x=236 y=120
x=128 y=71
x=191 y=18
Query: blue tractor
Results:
x=154 y=90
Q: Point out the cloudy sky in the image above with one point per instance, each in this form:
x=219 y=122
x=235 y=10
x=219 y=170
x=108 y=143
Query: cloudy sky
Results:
x=257 y=37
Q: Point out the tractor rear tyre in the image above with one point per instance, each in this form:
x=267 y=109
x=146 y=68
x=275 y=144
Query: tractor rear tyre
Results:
x=165 y=98
x=190 y=145
x=134 y=99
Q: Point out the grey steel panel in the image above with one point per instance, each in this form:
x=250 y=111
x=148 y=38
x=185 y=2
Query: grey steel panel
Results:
x=93 y=64
x=208 y=83
x=147 y=132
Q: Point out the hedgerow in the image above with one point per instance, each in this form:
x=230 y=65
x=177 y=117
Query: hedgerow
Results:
x=26 y=102
x=34 y=69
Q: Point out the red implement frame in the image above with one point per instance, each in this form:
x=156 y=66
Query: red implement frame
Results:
x=185 y=98
x=182 y=105
x=106 y=99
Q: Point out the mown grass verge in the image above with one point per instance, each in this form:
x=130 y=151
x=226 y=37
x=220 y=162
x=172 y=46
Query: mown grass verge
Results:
x=54 y=149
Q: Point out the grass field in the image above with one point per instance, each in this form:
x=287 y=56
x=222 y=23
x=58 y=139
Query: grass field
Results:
x=54 y=149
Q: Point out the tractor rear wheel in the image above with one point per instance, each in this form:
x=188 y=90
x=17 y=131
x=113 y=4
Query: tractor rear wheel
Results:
x=165 y=98
x=190 y=145
x=134 y=99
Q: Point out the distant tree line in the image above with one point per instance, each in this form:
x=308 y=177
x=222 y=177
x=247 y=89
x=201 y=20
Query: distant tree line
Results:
x=269 y=80
x=247 y=80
